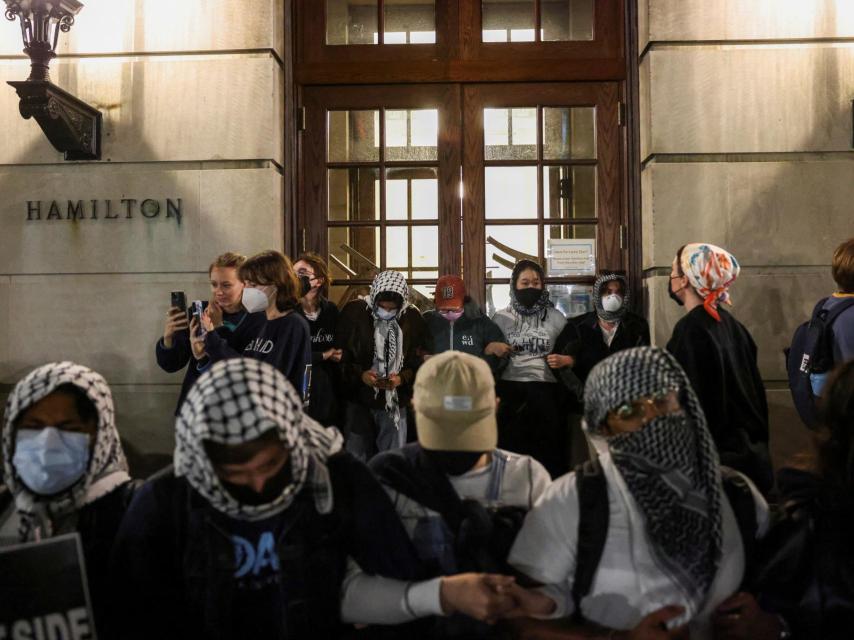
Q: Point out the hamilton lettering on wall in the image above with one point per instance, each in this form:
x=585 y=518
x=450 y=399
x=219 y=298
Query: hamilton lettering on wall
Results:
x=124 y=209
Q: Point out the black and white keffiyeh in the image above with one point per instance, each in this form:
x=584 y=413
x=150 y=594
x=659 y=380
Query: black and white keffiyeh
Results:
x=236 y=401
x=670 y=466
x=598 y=286
x=388 y=335
x=107 y=465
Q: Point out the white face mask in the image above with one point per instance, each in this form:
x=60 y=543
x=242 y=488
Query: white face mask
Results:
x=385 y=314
x=612 y=302
x=255 y=298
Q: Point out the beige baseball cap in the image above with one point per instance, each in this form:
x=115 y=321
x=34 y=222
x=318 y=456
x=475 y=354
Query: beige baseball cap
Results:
x=454 y=402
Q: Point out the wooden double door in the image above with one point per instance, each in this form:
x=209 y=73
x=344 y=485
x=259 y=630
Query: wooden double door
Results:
x=464 y=178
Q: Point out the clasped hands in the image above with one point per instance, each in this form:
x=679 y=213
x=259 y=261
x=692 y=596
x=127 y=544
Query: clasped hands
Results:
x=489 y=597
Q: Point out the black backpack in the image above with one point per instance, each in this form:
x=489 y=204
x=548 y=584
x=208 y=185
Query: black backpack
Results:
x=593 y=522
x=811 y=351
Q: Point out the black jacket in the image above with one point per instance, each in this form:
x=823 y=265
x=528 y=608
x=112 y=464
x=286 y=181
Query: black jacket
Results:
x=806 y=569
x=325 y=374
x=244 y=325
x=181 y=569
x=97 y=523
x=470 y=334
x=633 y=331
x=356 y=335
x=720 y=361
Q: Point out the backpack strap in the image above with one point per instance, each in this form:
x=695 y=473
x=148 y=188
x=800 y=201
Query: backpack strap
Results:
x=592 y=491
x=743 y=505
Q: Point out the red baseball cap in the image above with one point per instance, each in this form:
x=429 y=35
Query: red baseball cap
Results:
x=450 y=292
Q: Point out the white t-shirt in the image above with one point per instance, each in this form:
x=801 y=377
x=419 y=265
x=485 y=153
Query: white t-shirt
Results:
x=370 y=599
x=627 y=585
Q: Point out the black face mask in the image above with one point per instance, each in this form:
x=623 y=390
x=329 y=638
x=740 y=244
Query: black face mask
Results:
x=453 y=463
x=672 y=293
x=528 y=297
x=271 y=490
x=305 y=285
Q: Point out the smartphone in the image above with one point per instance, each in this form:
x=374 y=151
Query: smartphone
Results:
x=197 y=312
x=179 y=300
x=306 y=386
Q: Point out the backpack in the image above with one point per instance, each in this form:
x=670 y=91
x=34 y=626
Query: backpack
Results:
x=592 y=490
x=811 y=351
x=481 y=535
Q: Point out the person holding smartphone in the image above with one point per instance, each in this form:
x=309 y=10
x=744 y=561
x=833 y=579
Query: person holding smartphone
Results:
x=272 y=291
x=228 y=318
x=322 y=316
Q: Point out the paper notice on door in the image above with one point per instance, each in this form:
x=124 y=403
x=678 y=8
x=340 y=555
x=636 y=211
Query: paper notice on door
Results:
x=571 y=257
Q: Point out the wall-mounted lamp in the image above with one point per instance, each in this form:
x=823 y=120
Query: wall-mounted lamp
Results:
x=71 y=125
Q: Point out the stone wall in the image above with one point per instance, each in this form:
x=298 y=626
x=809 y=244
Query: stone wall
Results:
x=746 y=142
x=192 y=97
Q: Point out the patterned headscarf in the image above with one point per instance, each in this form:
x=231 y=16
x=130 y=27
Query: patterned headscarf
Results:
x=107 y=465
x=710 y=270
x=236 y=401
x=388 y=336
x=540 y=306
x=670 y=466
x=598 y=286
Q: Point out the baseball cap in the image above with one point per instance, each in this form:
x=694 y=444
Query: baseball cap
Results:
x=450 y=292
x=454 y=400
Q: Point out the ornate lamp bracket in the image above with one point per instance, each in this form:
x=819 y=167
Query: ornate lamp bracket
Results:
x=71 y=125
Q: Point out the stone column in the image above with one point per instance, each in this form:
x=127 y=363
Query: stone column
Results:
x=746 y=142
x=192 y=97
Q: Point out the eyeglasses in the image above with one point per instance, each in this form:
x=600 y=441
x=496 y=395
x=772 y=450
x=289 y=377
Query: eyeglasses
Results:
x=633 y=415
x=303 y=272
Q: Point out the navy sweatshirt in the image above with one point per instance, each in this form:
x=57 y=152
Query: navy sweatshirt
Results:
x=181 y=569
x=235 y=332
x=284 y=343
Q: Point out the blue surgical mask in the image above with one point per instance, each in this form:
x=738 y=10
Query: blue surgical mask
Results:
x=385 y=314
x=50 y=460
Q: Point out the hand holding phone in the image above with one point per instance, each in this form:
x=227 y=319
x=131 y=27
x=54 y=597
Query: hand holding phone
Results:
x=176 y=320
x=198 y=312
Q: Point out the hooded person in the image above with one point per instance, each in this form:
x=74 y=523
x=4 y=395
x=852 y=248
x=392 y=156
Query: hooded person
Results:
x=458 y=324
x=719 y=357
x=460 y=499
x=249 y=535
x=380 y=338
x=671 y=544
x=610 y=327
x=64 y=464
x=529 y=416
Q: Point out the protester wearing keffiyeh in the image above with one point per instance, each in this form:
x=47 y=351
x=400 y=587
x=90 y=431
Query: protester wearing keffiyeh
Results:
x=670 y=466
x=46 y=516
x=710 y=270
x=388 y=336
x=599 y=287
x=234 y=402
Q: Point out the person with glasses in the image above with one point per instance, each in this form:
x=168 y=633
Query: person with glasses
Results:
x=673 y=530
x=458 y=324
x=322 y=316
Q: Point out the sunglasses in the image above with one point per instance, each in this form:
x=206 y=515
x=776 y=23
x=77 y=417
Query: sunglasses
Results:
x=632 y=415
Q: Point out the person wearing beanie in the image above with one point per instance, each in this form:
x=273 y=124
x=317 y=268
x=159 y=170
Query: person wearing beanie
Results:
x=458 y=324
x=460 y=499
x=529 y=416
x=676 y=530
x=719 y=357
x=249 y=535
x=610 y=327
x=380 y=337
